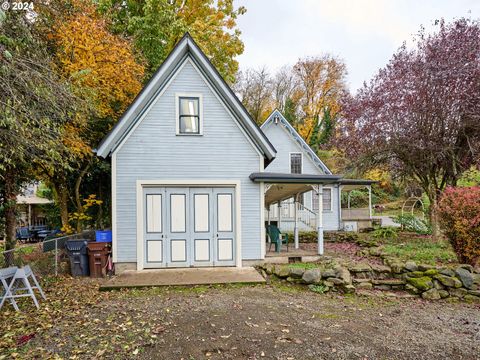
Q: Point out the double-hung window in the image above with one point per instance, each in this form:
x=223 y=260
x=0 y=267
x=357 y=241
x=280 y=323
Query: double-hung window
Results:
x=327 y=200
x=189 y=115
x=296 y=163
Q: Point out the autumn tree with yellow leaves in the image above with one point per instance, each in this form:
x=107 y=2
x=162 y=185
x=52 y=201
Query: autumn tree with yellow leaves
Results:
x=104 y=72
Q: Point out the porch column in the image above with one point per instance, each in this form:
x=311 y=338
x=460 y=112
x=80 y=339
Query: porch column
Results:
x=279 y=217
x=370 y=201
x=268 y=222
x=29 y=218
x=320 y=220
x=295 y=215
x=340 y=224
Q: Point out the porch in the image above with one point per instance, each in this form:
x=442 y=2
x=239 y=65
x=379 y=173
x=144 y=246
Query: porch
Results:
x=283 y=191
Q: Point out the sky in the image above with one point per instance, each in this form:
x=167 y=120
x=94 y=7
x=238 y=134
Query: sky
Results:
x=364 y=33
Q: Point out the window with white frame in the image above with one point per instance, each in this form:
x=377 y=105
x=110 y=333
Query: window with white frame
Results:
x=189 y=115
x=327 y=200
x=295 y=163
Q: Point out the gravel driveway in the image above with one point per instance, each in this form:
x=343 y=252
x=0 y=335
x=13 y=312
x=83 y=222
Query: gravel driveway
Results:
x=287 y=323
x=278 y=321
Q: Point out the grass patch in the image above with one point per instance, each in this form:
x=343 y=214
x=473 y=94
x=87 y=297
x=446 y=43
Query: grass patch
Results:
x=183 y=289
x=421 y=249
x=283 y=286
x=327 y=316
x=306 y=266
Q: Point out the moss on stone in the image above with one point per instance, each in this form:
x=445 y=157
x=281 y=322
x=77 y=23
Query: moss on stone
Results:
x=423 y=283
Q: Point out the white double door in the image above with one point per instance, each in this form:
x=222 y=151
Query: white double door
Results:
x=189 y=226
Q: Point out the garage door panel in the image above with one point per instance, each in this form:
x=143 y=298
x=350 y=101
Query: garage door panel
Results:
x=202 y=250
x=178 y=213
x=224 y=212
x=178 y=250
x=154 y=251
x=225 y=249
x=201 y=214
x=189 y=226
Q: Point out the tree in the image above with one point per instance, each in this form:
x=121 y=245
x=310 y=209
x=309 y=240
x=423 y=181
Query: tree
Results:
x=420 y=114
x=254 y=88
x=321 y=84
x=322 y=132
x=157 y=25
x=36 y=105
x=104 y=71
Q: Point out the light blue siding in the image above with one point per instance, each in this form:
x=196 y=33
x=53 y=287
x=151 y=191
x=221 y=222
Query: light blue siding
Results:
x=284 y=143
x=154 y=151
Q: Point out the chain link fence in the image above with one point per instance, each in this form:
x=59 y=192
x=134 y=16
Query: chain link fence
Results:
x=45 y=258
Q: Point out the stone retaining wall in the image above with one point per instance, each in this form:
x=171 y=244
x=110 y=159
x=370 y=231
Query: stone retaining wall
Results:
x=429 y=282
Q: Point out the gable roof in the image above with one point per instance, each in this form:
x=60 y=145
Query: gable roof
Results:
x=297 y=138
x=185 y=48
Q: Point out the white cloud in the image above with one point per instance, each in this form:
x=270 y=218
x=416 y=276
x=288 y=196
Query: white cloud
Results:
x=365 y=33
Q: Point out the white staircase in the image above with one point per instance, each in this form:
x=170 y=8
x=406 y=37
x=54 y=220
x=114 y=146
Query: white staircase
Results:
x=306 y=218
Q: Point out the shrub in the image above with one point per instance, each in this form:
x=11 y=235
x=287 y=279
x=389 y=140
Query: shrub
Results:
x=388 y=232
x=412 y=223
x=459 y=215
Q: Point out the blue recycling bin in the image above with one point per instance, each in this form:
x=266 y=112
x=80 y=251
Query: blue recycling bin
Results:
x=103 y=235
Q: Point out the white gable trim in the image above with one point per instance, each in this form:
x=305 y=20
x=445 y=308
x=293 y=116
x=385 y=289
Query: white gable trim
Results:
x=153 y=100
x=185 y=47
x=298 y=140
x=235 y=120
x=164 y=88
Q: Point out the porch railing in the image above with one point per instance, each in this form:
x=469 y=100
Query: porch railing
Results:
x=355 y=214
x=306 y=218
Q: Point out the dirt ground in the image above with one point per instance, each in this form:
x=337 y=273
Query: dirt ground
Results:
x=279 y=321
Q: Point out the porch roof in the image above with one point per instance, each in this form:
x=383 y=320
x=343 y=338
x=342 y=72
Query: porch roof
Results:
x=286 y=178
x=284 y=186
x=280 y=192
x=351 y=184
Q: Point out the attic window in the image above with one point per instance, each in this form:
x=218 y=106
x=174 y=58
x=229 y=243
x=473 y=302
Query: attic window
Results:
x=296 y=163
x=189 y=115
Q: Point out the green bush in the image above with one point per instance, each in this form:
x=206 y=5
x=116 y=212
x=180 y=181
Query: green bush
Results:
x=459 y=213
x=388 y=232
x=412 y=223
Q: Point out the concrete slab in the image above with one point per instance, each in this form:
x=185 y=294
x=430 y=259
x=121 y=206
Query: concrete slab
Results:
x=185 y=276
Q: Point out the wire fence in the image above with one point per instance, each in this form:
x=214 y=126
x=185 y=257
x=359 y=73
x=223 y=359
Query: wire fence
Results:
x=45 y=258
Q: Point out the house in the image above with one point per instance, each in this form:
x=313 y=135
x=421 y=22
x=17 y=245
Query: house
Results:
x=295 y=156
x=191 y=172
x=30 y=207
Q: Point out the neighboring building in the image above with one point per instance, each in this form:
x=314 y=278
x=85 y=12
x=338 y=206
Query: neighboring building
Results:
x=192 y=173
x=30 y=207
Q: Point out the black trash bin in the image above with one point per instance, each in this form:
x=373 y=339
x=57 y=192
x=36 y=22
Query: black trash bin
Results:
x=77 y=253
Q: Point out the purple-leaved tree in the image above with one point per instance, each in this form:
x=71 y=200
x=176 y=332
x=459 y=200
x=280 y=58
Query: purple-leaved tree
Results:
x=421 y=113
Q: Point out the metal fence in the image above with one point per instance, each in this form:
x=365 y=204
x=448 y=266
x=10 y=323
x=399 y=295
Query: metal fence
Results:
x=45 y=258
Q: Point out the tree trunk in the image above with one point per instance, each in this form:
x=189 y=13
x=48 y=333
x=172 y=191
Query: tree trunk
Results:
x=99 y=222
x=62 y=199
x=78 y=199
x=10 y=217
x=433 y=197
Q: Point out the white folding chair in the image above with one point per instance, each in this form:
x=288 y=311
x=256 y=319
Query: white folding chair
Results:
x=6 y=279
x=20 y=283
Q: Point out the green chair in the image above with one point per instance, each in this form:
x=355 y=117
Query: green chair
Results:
x=276 y=237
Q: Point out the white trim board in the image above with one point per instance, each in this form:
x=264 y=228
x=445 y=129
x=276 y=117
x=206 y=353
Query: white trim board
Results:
x=186 y=48
x=114 y=207
x=284 y=124
x=153 y=101
x=141 y=184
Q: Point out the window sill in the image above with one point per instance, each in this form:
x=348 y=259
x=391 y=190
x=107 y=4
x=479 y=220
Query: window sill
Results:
x=180 y=134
